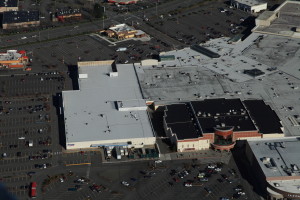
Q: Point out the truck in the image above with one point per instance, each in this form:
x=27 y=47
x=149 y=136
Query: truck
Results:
x=33 y=190
x=118 y=153
x=122 y=151
x=30 y=143
x=126 y=152
x=108 y=152
x=122 y=49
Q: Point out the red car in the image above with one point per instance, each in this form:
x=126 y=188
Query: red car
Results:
x=176 y=179
x=33 y=190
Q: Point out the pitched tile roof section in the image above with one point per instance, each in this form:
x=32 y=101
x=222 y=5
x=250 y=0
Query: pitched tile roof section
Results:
x=9 y=3
x=266 y=119
x=11 y=17
x=213 y=113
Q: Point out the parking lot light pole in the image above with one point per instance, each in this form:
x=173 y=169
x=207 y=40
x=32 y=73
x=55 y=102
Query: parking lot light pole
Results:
x=103 y=17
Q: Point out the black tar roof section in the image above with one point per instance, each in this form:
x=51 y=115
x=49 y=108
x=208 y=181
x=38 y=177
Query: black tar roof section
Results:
x=204 y=51
x=177 y=113
x=266 y=119
x=8 y=3
x=184 y=130
x=11 y=17
x=227 y=112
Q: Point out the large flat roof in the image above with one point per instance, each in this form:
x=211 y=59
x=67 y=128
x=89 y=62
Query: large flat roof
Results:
x=277 y=158
x=9 y=3
x=212 y=113
x=91 y=113
x=179 y=117
x=185 y=130
x=276 y=51
x=173 y=116
x=286 y=20
x=11 y=17
x=266 y=119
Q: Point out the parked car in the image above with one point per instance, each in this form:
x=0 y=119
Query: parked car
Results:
x=125 y=183
x=207 y=190
x=188 y=184
x=203 y=179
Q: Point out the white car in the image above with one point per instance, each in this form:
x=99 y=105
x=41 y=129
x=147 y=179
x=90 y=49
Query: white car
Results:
x=158 y=161
x=218 y=169
x=188 y=185
x=125 y=183
x=61 y=180
x=211 y=166
x=21 y=138
x=23 y=38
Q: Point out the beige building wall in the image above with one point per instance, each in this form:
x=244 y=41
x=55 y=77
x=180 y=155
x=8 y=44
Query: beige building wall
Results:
x=21 y=25
x=5 y=9
x=247 y=138
x=197 y=145
x=261 y=21
x=259 y=8
x=136 y=142
x=149 y=62
x=275 y=135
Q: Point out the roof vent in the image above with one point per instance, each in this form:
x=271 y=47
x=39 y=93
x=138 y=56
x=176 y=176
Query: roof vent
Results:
x=198 y=114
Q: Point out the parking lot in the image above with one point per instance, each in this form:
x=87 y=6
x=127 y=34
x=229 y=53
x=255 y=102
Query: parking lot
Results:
x=147 y=180
x=193 y=24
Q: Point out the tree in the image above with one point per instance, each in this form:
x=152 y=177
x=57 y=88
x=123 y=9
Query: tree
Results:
x=98 y=11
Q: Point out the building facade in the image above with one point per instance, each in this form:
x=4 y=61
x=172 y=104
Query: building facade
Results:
x=13 y=59
x=67 y=14
x=253 y=6
x=123 y=31
x=218 y=123
x=275 y=165
x=107 y=110
x=9 y=5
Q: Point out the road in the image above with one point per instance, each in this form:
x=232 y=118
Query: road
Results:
x=88 y=27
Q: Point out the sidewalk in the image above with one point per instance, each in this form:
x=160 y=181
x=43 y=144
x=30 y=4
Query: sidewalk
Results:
x=204 y=156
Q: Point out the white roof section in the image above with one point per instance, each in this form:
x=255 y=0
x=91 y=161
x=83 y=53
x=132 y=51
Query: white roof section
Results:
x=231 y=63
x=277 y=51
x=92 y=114
x=121 y=27
x=10 y=55
x=279 y=159
x=251 y=2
